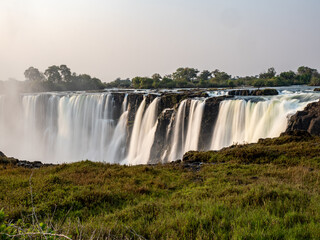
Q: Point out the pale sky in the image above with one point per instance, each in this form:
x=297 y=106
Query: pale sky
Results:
x=127 y=38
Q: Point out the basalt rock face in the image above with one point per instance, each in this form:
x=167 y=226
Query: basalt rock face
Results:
x=117 y=101
x=170 y=100
x=134 y=101
x=166 y=120
x=161 y=140
x=307 y=119
x=257 y=92
x=209 y=119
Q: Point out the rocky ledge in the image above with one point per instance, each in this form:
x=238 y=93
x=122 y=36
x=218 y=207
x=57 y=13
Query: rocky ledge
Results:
x=4 y=160
x=307 y=119
x=257 y=92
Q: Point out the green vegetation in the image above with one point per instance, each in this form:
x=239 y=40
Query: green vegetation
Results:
x=60 y=78
x=191 y=77
x=268 y=190
x=55 y=78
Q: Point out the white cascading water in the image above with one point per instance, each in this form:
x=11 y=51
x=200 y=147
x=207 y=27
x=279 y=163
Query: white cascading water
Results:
x=143 y=131
x=67 y=127
x=186 y=139
x=64 y=128
x=242 y=121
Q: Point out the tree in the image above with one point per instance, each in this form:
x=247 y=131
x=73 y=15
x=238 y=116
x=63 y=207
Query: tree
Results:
x=33 y=74
x=305 y=74
x=290 y=75
x=66 y=73
x=53 y=74
x=269 y=74
x=231 y=83
x=306 y=70
x=167 y=82
x=156 y=77
x=146 y=83
x=315 y=81
x=185 y=74
x=205 y=75
x=258 y=83
x=136 y=82
x=220 y=76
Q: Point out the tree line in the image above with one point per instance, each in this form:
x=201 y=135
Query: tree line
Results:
x=192 y=77
x=60 y=78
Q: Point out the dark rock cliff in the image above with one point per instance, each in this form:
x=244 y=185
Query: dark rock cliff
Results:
x=165 y=127
x=307 y=119
x=209 y=118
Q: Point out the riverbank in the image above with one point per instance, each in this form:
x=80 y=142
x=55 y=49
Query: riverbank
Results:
x=265 y=190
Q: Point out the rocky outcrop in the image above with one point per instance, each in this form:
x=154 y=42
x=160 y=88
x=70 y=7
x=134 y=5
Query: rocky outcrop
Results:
x=307 y=119
x=166 y=119
x=4 y=160
x=134 y=101
x=161 y=140
x=209 y=118
x=170 y=100
x=117 y=99
x=257 y=92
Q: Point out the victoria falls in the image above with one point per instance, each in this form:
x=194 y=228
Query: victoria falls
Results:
x=154 y=120
x=141 y=127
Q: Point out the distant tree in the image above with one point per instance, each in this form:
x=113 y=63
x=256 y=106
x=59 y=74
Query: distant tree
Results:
x=136 y=82
x=156 y=76
x=231 y=83
x=315 y=81
x=53 y=74
x=220 y=76
x=66 y=73
x=306 y=70
x=185 y=74
x=305 y=74
x=146 y=83
x=290 y=75
x=33 y=74
x=167 y=82
x=258 y=83
x=205 y=75
x=269 y=74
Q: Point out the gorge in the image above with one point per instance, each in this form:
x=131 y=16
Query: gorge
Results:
x=140 y=127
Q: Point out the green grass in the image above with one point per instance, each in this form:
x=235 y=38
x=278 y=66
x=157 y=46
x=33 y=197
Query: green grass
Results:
x=268 y=190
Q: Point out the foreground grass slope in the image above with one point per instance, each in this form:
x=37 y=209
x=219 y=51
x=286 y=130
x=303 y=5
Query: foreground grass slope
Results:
x=268 y=190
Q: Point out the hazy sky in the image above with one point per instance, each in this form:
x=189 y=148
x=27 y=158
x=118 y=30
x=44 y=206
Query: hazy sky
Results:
x=126 y=38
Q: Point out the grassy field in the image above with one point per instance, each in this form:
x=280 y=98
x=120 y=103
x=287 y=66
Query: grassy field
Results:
x=268 y=190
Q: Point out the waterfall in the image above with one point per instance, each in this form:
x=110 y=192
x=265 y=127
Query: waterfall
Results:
x=117 y=148
x=143 y=133
x=186 y=132
x=246 y=121
x=67 y=127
